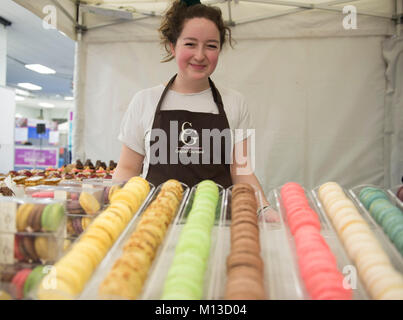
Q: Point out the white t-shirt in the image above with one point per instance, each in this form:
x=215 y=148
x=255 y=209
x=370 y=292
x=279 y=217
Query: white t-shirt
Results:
x=135 y=129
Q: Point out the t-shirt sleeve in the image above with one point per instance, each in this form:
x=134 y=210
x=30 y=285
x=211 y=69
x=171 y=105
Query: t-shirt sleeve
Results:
x=244 y=126
x=131 y=128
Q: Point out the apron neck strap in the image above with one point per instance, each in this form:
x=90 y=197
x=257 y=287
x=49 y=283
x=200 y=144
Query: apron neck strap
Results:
x=216 y=95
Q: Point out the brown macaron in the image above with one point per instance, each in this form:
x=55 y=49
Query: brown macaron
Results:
x=244 y=218
x=248 y=201
x=249 y=233
x=244 y=259
x=34 y=219
x=245 y=245
x=245 y=272
x=29 y=247
x=240 y=188
x=244 y=289
x=235 y=228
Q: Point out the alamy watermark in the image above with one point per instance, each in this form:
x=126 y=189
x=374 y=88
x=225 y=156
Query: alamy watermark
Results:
x=206 y=146
x=350 y=20
x=49 y=22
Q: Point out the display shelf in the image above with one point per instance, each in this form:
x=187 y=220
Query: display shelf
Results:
x=387 y=245
x=91 y=290
x=153 y=287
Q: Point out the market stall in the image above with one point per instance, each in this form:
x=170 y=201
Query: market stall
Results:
x=324 y=99
x=326 y=107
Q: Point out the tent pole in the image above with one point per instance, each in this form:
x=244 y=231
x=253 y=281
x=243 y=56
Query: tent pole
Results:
x=269 y=16
x=399 y=16
x=115 y=23
x=57 y=4
x=230 y=22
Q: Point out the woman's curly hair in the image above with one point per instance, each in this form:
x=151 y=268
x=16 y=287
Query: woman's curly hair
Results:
x=174 y=19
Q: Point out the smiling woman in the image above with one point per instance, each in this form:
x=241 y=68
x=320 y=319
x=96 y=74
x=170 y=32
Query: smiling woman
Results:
x=169 y=140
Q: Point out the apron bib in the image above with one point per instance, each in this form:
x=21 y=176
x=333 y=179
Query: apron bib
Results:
x=197 y=146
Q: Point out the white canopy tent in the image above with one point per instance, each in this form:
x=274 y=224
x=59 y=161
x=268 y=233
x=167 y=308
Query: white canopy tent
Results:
x=326 y=101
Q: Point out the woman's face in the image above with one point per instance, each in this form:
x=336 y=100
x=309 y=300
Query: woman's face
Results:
x=197 y=49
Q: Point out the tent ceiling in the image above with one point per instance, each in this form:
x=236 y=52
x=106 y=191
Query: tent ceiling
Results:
x=97 y=13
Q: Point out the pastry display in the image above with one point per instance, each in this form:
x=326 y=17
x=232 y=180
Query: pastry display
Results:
x=128 y=274
x=317 y=264
x=6 y=191
x=244 y=263
x=375 y=269
x=34 y=181
x=185 y=278
x=385 y=213
x=75 y=268
x=53 y=176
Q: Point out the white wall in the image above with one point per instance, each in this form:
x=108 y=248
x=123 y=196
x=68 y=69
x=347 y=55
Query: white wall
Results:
x=7 y=111
x=3 y=55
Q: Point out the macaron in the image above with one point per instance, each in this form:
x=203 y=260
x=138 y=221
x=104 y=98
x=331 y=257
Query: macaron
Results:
x=89 y=203
x=17 y=283
x=35 y=217
x=43 y=194
x=52 y=217
x=23 y=212
x=33 y=279
x=28 y=244
x=73 y=207
x=17 y=252
x=46 y=248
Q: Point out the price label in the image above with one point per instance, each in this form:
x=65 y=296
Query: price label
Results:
x=60 y=195
x=8 y=212
x=7 y=248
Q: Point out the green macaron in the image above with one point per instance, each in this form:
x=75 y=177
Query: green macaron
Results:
x=395 y=231
x=390 y=221
x=52 y=217
x=186 y=270
x=398 y=241
x=190 y=258
x=380 y=215
x=187 y=286
x=371 y=196
x=378 y=205
x=33 y=279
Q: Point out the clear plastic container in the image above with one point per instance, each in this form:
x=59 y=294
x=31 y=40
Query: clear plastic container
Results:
x=26 y=241
x=91 y=290
x=11 y=285
x=99 y=270
x=77 y=217
x=390 y=249
x=216 y=288
x=332 y=240
x=153 y=287
x=25 y=215
x=284 y=278
x=72 y=197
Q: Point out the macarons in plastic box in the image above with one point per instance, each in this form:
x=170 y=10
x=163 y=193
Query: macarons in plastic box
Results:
x=20 y=281
x=79 y=200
